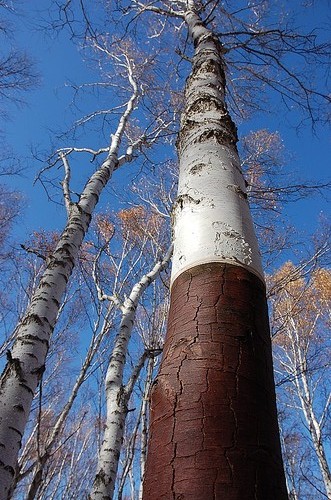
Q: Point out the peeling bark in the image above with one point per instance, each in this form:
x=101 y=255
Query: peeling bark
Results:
x=212 y=221
x=22 y=373
x=213 y=425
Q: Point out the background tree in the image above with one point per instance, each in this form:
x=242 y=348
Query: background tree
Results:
x=61 y=416
x=138 y=230
x=26 y=360
x=162 y=73
x=300 y=321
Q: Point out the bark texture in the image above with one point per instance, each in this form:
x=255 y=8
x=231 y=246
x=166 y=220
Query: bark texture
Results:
x=117 y=393
x=212 y=220
x=214 y=431
x=26 y=360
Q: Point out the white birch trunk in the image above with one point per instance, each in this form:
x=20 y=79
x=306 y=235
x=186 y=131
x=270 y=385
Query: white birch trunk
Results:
x=316 y=436
x=144 y=425
x=141 y=423
x=296 y=366
x=290 y=476
x=26 y=361
x=313 y=425
x=38 y=466
x=118 y=395
x=212 y=221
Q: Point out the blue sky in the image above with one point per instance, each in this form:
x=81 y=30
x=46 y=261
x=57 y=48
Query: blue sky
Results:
x=48 y=109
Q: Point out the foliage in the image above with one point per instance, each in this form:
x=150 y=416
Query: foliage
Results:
x=125 y=242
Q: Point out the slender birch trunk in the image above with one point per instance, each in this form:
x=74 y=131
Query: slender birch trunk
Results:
x=141 y=423
x=213 y=431
x=316 y=437
x=118 y=395
x=38 y=466
x=144 y=425
x=304 y=394
x=26 y=360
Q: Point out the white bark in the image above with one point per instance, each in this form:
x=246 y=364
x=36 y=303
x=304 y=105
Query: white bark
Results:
x=306 y=401
x=290 y=470
x=295 y=361
x=38 y=466
x=26 y=361
x=118 y=395
x=144 y=424
x=212 y=221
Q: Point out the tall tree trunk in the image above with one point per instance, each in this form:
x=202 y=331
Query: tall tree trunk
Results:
x=26 y=360
x=118 y=394
x=214 y=431
x=314 y=428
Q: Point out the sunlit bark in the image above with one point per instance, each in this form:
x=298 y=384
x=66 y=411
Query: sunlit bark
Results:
x=214 y=431
x=26 y=360
x=118 y=393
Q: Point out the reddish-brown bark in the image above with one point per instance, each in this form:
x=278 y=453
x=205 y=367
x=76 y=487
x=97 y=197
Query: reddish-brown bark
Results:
x=214 y=431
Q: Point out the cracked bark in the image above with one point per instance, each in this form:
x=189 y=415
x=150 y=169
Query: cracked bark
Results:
x=214 y=431
x=213 y=426
x=22 y=373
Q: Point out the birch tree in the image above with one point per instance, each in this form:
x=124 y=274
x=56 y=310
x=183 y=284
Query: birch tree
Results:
x=47 y=434
x=140 y=245
x=34 y=467
x=217 y=266
x=300 y=318
x=118 y=393
x=26 y=359
x=208 y=231
x=52 y=428
x=220 y=236
x=213 y=414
